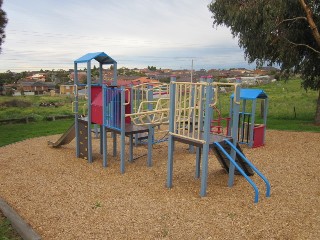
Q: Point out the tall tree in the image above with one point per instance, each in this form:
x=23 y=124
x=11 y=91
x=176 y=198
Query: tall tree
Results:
x=3 y=23
x=282 y=32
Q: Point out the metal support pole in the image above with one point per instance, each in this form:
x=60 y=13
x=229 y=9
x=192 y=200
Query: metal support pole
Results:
x=206 y=137
x=104 y=133
x=171 y=130
x=234 y=132
x=266 y=104
x=123 y=131
x=253 y=112
x=100 y=73
x=198 y=162
x=151 y=128
x=76 y=116
x=89 y=111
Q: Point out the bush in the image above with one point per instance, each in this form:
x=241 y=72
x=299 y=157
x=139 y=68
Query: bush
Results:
x=15 y=103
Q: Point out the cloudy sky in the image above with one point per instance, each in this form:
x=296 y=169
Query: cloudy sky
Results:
x=51 y=34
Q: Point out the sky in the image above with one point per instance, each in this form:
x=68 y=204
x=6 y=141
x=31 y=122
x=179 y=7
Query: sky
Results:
x=51 y=34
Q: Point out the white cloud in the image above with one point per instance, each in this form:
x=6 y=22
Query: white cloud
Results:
x=51 y=34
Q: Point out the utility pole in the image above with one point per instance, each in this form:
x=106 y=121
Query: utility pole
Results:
x=192 y=70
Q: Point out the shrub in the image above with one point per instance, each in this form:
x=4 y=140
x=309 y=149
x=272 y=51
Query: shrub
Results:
x=15 y=103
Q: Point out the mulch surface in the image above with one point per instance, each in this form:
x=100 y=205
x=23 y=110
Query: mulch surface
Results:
x=63 y=197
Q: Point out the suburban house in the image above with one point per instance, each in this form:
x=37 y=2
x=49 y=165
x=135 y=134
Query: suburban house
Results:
x=33 y=88
x=67 y=89
x=37 y=78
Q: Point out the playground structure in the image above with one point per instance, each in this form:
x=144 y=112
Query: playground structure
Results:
x=191 y=111
x=135 y=110
x=249 y=132
x=125 y=111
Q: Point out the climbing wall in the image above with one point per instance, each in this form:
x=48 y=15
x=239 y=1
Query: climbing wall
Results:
x=83 y=139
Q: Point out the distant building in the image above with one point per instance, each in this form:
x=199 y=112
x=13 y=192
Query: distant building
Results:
x=33 y=88
x=37 y=78
x=67 y=89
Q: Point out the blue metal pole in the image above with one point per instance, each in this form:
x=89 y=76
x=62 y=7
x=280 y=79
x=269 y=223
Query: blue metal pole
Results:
x=191 y=147
x=89 y=111
x=230 y=116
x=130 y=148
x=76 y=116
x=198 y=161
x=200 y=125
x=100 y=73
x=242 y=121
x=171 y=130
x=268 y=186
x=234 y=163
x=206 y=137
x=266 y=105
x=234 y=132
x=253 y=112
x=122 y=126
x=104 y=134
x=150 y=127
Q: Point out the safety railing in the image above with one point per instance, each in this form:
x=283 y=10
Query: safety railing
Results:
x=112 y=108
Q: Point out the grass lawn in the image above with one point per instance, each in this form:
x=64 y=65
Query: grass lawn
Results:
x=11 y=133
x=6 y=230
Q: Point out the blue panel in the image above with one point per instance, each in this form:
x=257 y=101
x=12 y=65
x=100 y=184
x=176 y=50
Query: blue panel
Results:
x=101 y=57
x=251 y=94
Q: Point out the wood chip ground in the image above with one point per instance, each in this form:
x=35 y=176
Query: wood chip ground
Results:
x=63 y=197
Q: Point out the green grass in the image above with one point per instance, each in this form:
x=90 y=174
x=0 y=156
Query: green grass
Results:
x=6 y=230
x=288 y=100
x=11 y=133
x=64 y=106
x=292 y=125
x=290 y=106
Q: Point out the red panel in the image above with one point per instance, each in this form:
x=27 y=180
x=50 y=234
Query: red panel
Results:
x=96 y=105
x=258 y=133
x=95 y=92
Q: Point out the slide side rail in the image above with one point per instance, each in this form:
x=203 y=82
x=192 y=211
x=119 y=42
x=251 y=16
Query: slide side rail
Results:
x=256 y=196
x=268 y=187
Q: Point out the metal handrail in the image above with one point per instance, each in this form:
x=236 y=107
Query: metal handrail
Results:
x=256 y=197
x=268 y=187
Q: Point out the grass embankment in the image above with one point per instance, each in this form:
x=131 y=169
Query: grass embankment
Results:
x=37 y=107
x=11 y=133
x=290 y=106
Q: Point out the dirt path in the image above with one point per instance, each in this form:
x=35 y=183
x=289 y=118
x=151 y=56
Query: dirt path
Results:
x=63 y=197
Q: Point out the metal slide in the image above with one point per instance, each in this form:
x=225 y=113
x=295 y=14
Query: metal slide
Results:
x=224 y=161
x=66 y=138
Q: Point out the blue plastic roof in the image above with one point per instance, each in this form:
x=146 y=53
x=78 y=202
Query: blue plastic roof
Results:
x=251 y=94
x=101 y=57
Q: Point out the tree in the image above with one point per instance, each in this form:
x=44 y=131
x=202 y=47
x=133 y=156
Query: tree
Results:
x=152 y=68
x=3 y=23
x=271 y=32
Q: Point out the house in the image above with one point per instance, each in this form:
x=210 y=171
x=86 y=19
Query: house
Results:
x=33 y=88
x=67 y=89
x=266 y=71
x=37 y=78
